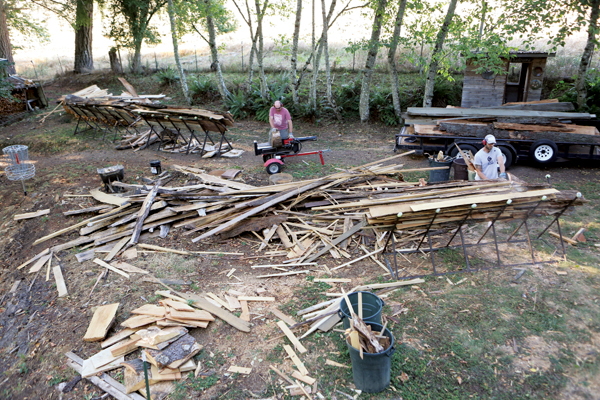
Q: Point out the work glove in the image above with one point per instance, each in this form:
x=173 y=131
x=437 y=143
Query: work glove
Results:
x=503 y=175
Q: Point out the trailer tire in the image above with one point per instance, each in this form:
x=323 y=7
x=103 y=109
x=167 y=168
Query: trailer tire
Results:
x=273 y=166
x=464 y=147
x=508 y=156
x=543 y=152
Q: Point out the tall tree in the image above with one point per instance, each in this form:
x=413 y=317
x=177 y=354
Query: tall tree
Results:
x=367 y=73
x=260 y=14
x=436 y=53
x=84 y=17
x=5 y=44
x=294 y=58
x=247 y=17
x=325 y=44
x=130 y=26
x=392 y=57
x=174 y=35
x=586 y=57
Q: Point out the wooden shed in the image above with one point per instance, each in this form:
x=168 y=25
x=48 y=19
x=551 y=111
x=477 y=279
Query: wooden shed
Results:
x=491 y=90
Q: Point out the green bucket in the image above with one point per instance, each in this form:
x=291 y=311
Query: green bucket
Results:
x=372 y=373
x=372 y=306
x=439 y=175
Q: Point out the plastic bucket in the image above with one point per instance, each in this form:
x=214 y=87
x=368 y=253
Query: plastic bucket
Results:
x=372 y=373
x=371 y=305
x=155 y=167
x=461 y=172
x=439 y=175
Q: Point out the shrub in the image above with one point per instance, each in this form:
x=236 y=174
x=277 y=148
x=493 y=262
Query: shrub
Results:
x=202 y=87
x=565 y=91
x=238 y=104
x=167 y=76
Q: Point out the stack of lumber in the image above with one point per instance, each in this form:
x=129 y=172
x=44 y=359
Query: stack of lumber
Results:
x=503 y=123
x=337 y=214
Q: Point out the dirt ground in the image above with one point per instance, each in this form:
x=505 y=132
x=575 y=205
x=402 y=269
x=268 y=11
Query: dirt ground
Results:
x=37 y=328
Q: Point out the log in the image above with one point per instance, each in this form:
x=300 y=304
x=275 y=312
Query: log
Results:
x=143 y=213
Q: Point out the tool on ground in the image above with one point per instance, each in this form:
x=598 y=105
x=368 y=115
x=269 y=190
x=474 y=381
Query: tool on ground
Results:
x=278 y=149
x=146 y=375
x=109 y=175
x=19 y=168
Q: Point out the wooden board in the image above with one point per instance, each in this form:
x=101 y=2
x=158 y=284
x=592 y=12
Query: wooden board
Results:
x=478 y=199
x=239 y=370
x=60 y=282
x=256 y=298
x=195 y=315
x=290 y=335
x=35 y=214
x=138 y=320
x=491 y=112
x=110 y=267
x=39 y=264
x=88 y=369
x=175 y=354
x=284 y=317
x=107 y=198
x=103 y=318
x=116 y=248
x=117 y=337
x=150 y=309
x=128 y=267
x=295 y=359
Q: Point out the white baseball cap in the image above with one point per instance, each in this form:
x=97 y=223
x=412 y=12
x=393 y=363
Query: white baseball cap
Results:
x=490 y=139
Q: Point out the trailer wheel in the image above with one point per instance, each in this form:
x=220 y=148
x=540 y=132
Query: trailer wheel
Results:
x=543 y=151
x=465 y=148
x=508 y=156
x=273 y=166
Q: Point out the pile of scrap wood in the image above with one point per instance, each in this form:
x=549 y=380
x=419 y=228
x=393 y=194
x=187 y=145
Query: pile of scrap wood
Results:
x=503 y=123
x=338 y=214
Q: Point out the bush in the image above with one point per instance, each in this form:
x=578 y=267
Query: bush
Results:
x=202 y=87
x=238 y=104
x=565 y=91
x=381 y=107
x=167 y=76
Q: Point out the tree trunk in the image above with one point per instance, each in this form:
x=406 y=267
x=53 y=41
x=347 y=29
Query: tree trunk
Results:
x=260 y=54
x=115 y=63
x=294 y=60
x=251 y=61
x=371 y=57
x=84 y=17
x=327 y=67
x=433 y=64
x=312 y=98
x=212 y=43
x=136 y=62
x=392 y=58
x=5 y=46
x=586 y=58
x=182 y=80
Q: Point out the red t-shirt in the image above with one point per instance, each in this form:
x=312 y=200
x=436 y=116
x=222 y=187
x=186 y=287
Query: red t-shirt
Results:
x=280 y=118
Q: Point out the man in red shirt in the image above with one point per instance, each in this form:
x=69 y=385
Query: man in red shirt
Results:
x=280 y=119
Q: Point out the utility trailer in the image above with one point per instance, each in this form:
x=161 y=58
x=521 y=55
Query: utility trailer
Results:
x=541 y=151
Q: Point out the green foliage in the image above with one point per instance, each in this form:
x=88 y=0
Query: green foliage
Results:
x=167 y=76
x=19 y=18
x=237 y=104
x=382 y=107
x=203 y=87
x=565 y=91
x=5 y=89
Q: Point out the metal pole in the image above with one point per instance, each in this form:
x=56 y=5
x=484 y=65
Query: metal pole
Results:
x=496 y=244
x=529 y=243
x=428 y=228
x=526 y=217
x=578 y=196
x=508 y=202
x=473 y=206
x=462 y=241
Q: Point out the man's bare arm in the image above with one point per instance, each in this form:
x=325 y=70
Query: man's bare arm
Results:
x=479 y=171
x=290 y=126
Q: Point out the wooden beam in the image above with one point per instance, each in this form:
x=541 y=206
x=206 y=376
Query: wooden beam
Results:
x=338 y=240
x=159 y=248
x=103 y=318
x=35 y=214
x=295 y=359
x=108 y=266
x=143 y=213
x=60 y=282
x=290 y=335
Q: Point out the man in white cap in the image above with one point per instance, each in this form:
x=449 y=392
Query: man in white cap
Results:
x=488 y=159
x=280 y=119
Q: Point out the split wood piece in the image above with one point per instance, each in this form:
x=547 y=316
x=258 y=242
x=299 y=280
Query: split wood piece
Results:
x=107 y=198
x=565 y=239
x=358 y=259
x=245 y=315
x=82 y=223
x=177 y=305
x=304 y=378
x=128 y=87
x=110 y=267
x=117 y=337
x=258 y=209
x=39 y=213
x=60 y=282
x=219 y=300
x=233 y=302
x=196 y=315
x=284 y=274
x=189 y=322
x=166 y=374
x=268 y=235
x=88 y=369
x=335 y=364
x=281 y=374
x=124 y=347
x=239 y=370
x=317 y=306
x=256 y=298
x=109 y=387
x=39 y=264
x=285 y=240
x=283 y=265
x=128 y=267
x=212 y=179
x=150 y=309
x=358 y=324
x=87 y=210
x=579 y=237
x=157 y=338
x=303 y=390
x=338 y=240
x=143 y=213
x=103 y=357
x=138 y=321
x=36 y=257
x=295 y=359
x=129 y=254
x=159 y=248
x=133 y=375
x=102 y=320
x=159 y=390
x=333 y=280
x=284 y=317
x=290 y=335
x=176 y=354
x=117 y=247
x=199 y=302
